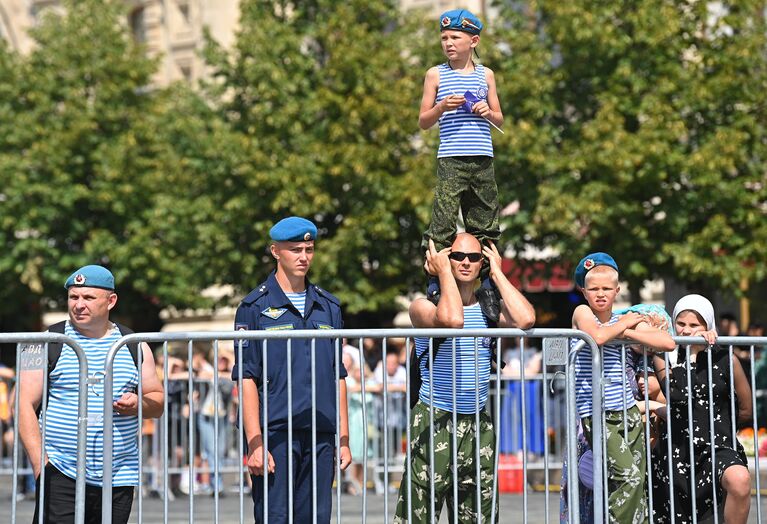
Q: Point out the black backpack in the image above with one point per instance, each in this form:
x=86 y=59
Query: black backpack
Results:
x=415 y=363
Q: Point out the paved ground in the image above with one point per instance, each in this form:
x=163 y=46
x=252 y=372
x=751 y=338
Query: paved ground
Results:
x=351 y=509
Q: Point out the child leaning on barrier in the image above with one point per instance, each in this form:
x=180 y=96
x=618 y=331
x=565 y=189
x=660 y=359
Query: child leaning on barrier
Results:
x=461 y=96
x=596 y=275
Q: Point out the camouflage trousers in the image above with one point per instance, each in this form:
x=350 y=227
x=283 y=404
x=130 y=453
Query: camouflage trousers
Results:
x=468 y=183
x=626 y=466
x=442 y=477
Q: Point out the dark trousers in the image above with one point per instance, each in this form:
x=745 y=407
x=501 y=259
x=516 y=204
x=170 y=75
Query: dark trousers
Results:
x=59 y=505
x=301 y=448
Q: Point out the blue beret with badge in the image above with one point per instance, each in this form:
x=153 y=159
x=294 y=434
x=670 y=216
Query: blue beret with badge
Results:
x=460 y=20
x=591 y=261
x=293 y=229
x=91 y=276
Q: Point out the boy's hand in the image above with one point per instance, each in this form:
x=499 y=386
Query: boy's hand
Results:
x=494 y=259
x=631 y=319
x=451 y=102
x=437 y=261
x=481 y=108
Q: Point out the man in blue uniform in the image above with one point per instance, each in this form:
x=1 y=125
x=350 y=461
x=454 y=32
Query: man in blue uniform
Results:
x=288 y=301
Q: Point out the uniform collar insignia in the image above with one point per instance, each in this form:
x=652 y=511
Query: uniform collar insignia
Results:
x=273 y=312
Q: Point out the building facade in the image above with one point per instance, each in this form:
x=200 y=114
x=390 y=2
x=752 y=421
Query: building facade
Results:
x=171 y=29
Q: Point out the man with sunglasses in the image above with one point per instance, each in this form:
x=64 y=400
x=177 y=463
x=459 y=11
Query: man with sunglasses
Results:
x=91 y=297
x=463 y=391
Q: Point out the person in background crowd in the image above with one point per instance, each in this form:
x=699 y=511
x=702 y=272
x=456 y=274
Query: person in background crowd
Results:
x=694 y=316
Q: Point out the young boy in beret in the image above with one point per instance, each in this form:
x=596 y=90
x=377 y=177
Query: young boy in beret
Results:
x=596 y=275
x=461 y=96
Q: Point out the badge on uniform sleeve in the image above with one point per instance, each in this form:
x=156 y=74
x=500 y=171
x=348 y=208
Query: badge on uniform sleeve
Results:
x=273 y=312
x=241 y=327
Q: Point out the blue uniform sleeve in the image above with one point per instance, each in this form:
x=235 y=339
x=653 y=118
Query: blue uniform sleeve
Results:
x=338 y=323
x=245 y=320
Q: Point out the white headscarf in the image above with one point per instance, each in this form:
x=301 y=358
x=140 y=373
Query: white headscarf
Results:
x=700 y=305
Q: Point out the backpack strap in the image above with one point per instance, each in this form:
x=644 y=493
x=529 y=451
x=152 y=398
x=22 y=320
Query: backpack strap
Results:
x=134 y=347
x=54 y=348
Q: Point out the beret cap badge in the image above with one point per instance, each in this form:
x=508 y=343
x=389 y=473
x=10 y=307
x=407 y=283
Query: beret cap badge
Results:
x=588 y=264
x=79 y=279
x=445 y=21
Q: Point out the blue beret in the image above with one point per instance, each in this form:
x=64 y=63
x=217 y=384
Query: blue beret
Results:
x=293 y=229
x=91 y=276
x=589 y=262
x=460 y=20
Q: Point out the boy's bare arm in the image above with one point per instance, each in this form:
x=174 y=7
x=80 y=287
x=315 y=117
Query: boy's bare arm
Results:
x=583 y=319
x=430 y=112
x=652 y=337
x=491 y=110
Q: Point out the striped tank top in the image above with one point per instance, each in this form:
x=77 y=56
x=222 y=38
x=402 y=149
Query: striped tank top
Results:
x=298 y=300
x=461 y=132
x=467 y=356
x=617 y=387
x=61 y=413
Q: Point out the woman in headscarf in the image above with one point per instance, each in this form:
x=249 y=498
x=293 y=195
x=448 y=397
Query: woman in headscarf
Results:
x=694 y=316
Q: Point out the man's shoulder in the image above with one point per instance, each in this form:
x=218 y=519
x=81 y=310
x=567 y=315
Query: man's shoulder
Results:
x=257 y=293
x=330 y=297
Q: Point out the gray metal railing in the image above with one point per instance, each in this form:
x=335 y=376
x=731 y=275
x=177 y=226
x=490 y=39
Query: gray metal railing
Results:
x=266 y=336
x=32 y=356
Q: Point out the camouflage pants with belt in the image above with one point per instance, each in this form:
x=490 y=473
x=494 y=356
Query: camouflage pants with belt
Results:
x=468 y=183
x=442 y=479
x=626 y=465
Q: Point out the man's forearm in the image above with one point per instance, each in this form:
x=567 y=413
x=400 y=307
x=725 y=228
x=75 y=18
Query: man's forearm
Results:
x=251 y=417
x=152 y=404
x=29 y=432
x=343 y=430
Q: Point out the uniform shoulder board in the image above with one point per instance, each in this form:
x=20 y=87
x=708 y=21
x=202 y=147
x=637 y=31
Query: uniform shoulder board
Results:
x=255 y=294
x=334 y=299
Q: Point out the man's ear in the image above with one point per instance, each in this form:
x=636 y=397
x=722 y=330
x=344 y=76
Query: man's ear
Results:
x=112 y=301
x=474 y=40
x=617 y=289
x=273 y=251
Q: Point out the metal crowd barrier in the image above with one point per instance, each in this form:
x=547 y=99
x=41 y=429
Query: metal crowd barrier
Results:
x=684 y=344
x=508 y=404
x=32 y=356
x=562 y=350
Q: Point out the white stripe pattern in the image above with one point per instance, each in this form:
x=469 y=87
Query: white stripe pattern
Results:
x=617 y=387
x=298 y=300
x=61 y=413
x=462 y=133
x=468 y=351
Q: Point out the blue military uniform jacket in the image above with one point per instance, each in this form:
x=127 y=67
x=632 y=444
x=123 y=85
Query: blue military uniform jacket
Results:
x=267 y=308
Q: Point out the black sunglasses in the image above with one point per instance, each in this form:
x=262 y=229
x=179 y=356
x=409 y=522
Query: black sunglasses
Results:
x=458 y=256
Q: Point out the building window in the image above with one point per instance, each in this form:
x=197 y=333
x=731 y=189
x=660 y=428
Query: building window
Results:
x=183 y=8
x=138 y=25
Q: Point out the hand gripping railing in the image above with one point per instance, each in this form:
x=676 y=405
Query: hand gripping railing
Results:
x=38 y=343
x=585 y=342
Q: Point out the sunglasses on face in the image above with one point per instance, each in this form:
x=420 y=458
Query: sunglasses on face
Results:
x=458 y=256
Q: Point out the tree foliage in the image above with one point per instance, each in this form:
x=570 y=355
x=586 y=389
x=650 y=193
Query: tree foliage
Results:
x=325 y=95
x=638 y=128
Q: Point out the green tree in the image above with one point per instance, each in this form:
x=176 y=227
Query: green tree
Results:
x=79 y=156
x=638 y=128
x=325 y=97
